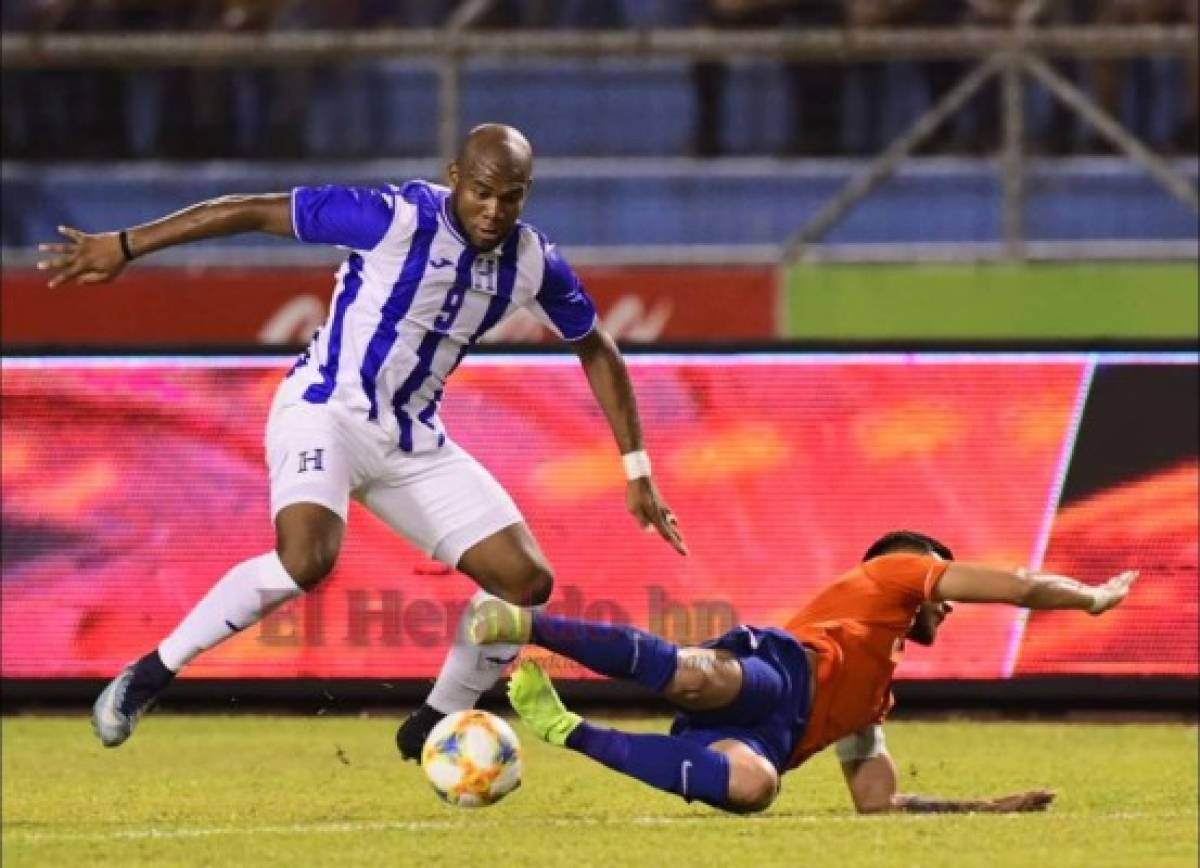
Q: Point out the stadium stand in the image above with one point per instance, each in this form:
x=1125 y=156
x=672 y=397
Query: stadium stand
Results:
x=385 y=108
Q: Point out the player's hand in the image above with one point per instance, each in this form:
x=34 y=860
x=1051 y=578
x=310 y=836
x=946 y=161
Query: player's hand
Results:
x=83 y=258
x=1112 y=592
x=652 y=512
x=1020 y=803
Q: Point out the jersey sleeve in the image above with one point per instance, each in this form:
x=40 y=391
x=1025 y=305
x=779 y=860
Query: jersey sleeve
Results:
x=911 y=577
x=354 y=217
x=563 y=298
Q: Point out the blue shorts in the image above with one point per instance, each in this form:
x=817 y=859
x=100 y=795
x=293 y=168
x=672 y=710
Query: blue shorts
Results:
x=771 y=710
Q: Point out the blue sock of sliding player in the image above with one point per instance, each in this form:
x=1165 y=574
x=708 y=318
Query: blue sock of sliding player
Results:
x=663 y=761
x=609 y=649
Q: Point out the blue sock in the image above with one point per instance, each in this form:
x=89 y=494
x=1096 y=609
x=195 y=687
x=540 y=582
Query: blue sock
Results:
x=609 y=649
x=663 y=761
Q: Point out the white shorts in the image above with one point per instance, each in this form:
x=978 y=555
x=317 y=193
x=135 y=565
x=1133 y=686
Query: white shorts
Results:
x=442 y=501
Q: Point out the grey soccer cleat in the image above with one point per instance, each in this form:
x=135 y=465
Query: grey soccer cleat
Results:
x=127 y=698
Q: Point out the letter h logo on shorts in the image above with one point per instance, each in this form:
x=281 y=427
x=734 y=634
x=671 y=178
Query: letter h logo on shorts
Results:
x=312 y=459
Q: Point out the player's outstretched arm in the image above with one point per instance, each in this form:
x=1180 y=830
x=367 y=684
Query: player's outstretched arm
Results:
x=99 y=257
x=872 y=784
x=609 y=380
x=974 y=583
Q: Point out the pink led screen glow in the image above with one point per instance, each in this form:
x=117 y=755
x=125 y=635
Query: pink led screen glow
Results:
x=130 y=486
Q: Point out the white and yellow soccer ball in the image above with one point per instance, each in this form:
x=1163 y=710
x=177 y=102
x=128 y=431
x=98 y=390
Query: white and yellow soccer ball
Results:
x=472 y=759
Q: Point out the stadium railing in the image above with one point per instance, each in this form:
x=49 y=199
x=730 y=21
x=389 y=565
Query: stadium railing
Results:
x=1014 y=54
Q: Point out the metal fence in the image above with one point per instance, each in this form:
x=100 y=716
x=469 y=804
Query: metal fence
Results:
x=1015 y=54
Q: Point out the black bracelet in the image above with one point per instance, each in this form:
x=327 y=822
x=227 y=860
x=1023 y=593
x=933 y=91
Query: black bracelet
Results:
x=123 y=236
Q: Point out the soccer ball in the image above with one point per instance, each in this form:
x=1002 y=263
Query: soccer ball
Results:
x=472 y=759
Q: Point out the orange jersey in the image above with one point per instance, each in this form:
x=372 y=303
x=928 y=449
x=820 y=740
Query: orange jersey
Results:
x=857 y=627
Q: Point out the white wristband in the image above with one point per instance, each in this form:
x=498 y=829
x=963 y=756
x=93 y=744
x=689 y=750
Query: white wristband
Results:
x=637 y=464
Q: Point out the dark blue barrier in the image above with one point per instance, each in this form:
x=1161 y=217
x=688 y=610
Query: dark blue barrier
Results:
x=606 y=203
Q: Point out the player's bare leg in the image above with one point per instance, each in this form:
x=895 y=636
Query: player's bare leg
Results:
x=753 y=782
x=510 y=565
x=705 y=679
x=507 y=566
x=308 y=537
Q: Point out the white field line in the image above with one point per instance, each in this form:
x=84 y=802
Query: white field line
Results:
x=477 y=823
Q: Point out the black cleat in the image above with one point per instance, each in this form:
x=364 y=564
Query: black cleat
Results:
x=410 y=737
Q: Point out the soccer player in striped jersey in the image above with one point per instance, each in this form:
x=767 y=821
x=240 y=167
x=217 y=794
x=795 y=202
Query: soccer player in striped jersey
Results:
x=758 y=702
x=429 y=270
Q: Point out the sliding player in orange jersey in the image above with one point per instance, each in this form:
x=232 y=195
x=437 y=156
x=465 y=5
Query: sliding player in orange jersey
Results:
x=757 y=702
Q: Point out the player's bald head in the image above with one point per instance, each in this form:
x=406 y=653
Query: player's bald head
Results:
x=489 y=181
x=497 y=150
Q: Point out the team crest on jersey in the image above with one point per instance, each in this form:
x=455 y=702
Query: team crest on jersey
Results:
x=312 y=459
x=483 y=275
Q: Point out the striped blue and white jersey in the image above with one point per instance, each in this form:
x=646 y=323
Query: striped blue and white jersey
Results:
x=412 y=297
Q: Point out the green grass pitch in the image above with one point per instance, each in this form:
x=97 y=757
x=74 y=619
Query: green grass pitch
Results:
x=250 y=790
